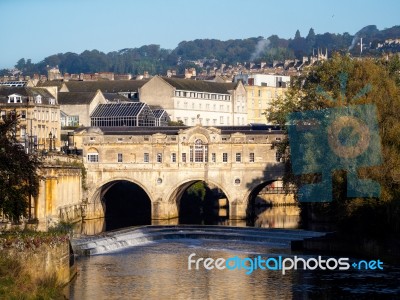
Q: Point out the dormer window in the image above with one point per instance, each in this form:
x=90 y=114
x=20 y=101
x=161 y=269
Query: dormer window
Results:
x=38 y=99
x=14 y=98
x=52 y=101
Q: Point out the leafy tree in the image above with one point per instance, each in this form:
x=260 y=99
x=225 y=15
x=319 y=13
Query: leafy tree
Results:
x=18 y=178
x=176 y=123
x=366 y=216
x=310 y=39
x=297 y=34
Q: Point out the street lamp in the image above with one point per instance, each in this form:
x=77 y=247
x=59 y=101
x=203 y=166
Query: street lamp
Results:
x=54 y=142
x=50 y=138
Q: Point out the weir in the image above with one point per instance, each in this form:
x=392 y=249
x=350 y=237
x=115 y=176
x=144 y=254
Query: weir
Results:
x=136 y=236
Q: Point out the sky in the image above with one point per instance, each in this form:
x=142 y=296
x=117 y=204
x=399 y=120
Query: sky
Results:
x=35 y=29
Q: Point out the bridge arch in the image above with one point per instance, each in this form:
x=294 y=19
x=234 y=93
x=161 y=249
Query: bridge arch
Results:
x=118 y=198
x=176 y=193
x=269 y=205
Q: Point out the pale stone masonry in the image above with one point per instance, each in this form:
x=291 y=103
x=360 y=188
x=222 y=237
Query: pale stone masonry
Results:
x=164 y=161
x=196 y=101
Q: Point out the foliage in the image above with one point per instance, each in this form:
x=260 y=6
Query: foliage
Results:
x=176 y=123
x=27 y=239
x=18 y=177
x=212 y=52
x=63 y=227
x=304 y=94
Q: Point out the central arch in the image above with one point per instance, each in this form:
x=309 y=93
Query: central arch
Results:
x=212 y=210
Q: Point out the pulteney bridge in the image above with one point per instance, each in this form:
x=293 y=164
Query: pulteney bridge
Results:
x=165 y=161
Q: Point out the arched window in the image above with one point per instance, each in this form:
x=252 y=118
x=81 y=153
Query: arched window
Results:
x=199 y=152
x=92 y=156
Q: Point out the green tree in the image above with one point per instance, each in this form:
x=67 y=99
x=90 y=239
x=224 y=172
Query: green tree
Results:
x=372 y=216
x=18 y=173
x=176 y=123
x=297 y=34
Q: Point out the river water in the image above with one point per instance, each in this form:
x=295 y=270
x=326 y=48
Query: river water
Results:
x=158 y=269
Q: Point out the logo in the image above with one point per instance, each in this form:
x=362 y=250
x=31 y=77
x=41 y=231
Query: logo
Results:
x=279 y=263
x=341 y=138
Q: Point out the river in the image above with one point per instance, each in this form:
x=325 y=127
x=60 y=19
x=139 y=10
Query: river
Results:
x=158 y=269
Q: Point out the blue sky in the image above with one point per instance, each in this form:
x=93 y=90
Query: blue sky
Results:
x=36 y=29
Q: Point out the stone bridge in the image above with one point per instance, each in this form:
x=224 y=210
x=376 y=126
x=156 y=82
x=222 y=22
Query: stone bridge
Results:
x=165 y=161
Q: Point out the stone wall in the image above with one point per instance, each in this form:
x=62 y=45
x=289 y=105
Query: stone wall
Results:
x=46 y=260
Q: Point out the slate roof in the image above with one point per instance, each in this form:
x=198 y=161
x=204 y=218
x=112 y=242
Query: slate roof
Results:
x=69 y=98
x=106 y=86
x=56 y=83
x=5 y=91
x=113 y=97
x=200 y=86
x=118 y=110
x=112 y=86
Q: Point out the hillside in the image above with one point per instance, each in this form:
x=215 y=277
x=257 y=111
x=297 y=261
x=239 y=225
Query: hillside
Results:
x=213 y=53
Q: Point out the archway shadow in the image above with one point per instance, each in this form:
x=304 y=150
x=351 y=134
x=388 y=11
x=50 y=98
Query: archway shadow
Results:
x=125 y=204
x=255 y=205
x=201 y=204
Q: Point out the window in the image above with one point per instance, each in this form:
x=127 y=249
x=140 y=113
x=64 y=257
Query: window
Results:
x=213 y=157
x=159 y=157
x=224 y=157
x=173 y=157
x=23 y=114
x=238 y=157
x=93 y=157
x=146 y=157
x=221 y=120
x=184 y=157
x=251 y=157
x=199 y=152
x=119 y=157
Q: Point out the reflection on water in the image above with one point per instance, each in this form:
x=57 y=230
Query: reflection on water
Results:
x=269 y=217
x=278 y=217
x=160 y=271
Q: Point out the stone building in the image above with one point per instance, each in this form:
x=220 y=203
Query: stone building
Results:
x=38 y=112
x=195 y=101
x=259 y=99
x=78 y=106
x=262 y=90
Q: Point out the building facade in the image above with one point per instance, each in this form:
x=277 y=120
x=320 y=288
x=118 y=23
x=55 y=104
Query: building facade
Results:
x=78 y=106
x=259 y=99
x=38 y=113
x=197 y=102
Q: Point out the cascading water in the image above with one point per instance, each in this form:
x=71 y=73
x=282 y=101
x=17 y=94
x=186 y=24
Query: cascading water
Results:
x=129 y=237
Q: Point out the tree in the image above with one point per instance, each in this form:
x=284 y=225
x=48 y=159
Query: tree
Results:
x=19 y=180
x=310 y=39
x=334 y=84
x=297 y=34
x=176 y=123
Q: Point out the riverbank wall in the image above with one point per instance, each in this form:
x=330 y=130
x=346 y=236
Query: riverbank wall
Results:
x=41 y=257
